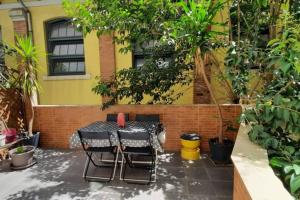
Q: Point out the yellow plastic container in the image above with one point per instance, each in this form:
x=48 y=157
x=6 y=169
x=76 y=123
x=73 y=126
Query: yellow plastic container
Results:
x=190 y=144
x=190 y=149
x=190 y=154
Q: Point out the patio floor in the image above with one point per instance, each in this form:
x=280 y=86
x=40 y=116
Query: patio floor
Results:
x=58 y=175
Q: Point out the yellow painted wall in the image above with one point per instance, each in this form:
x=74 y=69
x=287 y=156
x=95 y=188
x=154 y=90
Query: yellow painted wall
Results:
x=7 y=31
x=65 y=91
x=58 y=92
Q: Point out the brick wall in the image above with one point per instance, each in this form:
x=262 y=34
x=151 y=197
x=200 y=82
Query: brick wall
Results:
x=239 y=189
x=201 y=92
x=20 y=27
x=57 y=123
x=11 y=107
x=107 y=57
x=18 y=17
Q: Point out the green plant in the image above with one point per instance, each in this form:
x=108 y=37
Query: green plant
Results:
x=249 y=36
x=194 y=30
x=275 y=120
x=289 y=172
x=20 y=150
x=136 y=24
x=23 y=78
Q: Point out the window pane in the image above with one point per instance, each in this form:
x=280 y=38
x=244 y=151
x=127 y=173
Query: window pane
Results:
x=139 y=62
x=78 y=33
x=72 y=49
x=70 y=31
x=65 y=67
x=54 y=31
x=80 y=67
x=163 y=62
x=56 y=50
x=73 y=66
x=67 y=51
x=63 y=50
x=57 y=67
x=79 y=49
x=62 y=30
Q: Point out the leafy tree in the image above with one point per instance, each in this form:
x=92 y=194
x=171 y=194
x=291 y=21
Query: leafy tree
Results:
x=185 y=26
x=252 y=25
x=136 y=24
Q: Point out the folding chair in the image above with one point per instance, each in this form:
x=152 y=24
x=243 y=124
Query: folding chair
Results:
x=128 y=152
x=147 y=118
x=88 y=139
x=114 y=117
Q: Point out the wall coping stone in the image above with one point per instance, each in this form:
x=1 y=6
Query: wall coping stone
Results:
x=251 y=162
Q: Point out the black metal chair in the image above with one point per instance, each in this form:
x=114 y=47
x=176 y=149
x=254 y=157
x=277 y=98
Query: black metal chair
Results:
x=128 y=152
x=87 y=139
x=147 y=118
x=150 y=118
x=114 y=117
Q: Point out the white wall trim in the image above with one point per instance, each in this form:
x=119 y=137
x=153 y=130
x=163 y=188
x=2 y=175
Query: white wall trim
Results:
x=5 y=6
x=67 y=77
x=252 y=163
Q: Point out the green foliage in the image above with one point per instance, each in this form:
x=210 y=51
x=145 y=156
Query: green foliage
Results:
x=289 y=172
x=248 y=26
x=285 y=51
x=193 y=29
x=22 y=77
x=239 y=62
x=27 y=65
x=275 y=119
x=295 y=8
x=154 y=79
x=253 y=25
x=20 y=150
x=180 y=28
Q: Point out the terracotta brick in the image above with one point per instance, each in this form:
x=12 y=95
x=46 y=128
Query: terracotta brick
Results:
x=58 y=123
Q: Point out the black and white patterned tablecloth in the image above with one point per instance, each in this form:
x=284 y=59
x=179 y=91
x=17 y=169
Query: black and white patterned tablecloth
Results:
x=112 y=127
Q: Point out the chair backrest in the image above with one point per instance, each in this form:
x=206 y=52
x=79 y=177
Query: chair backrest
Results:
x=87 y=137
x=114 y=117
x=147 y=118
x=134 y=135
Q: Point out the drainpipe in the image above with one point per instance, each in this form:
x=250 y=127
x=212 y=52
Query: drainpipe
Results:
x=28 y=19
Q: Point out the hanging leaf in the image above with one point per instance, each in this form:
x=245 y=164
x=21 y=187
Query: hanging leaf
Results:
x=295 y=183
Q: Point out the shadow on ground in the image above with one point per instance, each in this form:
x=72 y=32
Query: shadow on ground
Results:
x=58 y=175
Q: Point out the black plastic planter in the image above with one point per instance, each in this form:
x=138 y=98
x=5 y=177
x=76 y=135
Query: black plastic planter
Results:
x=220 y=152
x=33 y=140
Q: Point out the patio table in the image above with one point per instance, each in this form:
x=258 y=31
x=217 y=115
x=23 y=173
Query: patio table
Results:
x=131 y=126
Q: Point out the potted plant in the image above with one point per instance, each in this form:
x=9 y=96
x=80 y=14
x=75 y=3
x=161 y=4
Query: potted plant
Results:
x=202 y=40
x=23 y=79
x=27 y=84
x=22 y=157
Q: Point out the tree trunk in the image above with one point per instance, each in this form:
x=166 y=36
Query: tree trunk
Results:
x=30 y=115
x=200 y=69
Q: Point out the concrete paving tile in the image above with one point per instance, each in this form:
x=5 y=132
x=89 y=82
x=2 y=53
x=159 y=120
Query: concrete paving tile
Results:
x=199 y=187
x=223 y=188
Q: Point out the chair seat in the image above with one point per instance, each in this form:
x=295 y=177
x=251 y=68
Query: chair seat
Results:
x=139 y=150
x=100 y=149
